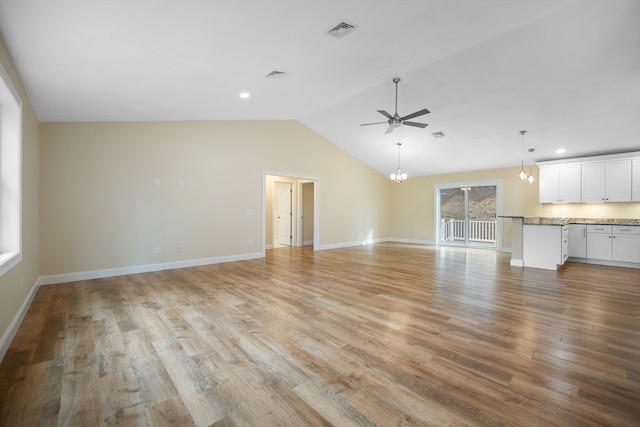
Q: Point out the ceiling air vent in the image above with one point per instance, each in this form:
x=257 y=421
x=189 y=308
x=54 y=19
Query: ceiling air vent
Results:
x=341 y=30
x=437 y=134
x=275 y=75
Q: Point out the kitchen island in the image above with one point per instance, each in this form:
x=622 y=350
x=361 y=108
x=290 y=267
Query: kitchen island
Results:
x=609 y=241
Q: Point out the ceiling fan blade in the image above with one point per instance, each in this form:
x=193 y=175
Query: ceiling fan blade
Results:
x=418 y=125
x=376 y=123
x=416 y=114
x=384 y=113
x=390 y=129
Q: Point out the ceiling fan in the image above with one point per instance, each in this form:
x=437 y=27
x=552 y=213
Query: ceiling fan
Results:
x=395 y=120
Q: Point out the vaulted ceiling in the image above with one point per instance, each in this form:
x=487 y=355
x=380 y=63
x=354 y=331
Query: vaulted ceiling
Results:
x=567 y=71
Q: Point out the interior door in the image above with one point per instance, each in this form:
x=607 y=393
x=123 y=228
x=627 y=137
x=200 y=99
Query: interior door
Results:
x=284 y=190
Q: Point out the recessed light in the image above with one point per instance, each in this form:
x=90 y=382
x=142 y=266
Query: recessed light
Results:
x=244 y=95
x=560 y=151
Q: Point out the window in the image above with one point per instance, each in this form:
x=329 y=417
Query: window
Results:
x=10 y=174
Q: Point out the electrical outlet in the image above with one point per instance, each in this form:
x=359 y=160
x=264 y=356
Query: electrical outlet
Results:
x=250 y=242
x=156 y=250
x=156 y=182
x=180 y=248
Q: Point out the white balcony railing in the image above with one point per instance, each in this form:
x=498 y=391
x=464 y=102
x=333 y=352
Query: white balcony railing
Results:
x=479 y=231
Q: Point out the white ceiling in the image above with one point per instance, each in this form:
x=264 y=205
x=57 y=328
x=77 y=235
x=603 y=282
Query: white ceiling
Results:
x=566 y=71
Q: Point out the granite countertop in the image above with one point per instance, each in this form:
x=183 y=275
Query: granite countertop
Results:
x=537 y=220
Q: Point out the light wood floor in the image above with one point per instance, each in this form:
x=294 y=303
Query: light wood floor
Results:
x=383 y=335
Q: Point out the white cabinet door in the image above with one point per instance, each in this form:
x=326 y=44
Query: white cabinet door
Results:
x=626 y=243
x=593 y=188
x=635 y=180
x=549 y=179
x=626 y=248
x=608 y=181
x=618 y=181
x=578 y=240
x=599 y=242
x=570 y=184
x=560 y=183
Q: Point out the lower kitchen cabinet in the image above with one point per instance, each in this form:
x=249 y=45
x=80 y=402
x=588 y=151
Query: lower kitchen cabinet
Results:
x=626 y=244
x=613 y=243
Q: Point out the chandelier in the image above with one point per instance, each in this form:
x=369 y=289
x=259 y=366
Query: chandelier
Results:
x=398 y=177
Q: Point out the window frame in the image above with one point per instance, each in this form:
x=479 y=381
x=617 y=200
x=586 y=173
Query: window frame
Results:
x=10 y=174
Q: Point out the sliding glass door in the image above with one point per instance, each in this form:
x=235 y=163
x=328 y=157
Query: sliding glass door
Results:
x=467 y=215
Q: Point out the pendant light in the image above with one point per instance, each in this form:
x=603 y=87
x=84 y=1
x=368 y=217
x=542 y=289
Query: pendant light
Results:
x=398 y=177
x=523 y=174
x=531 y=178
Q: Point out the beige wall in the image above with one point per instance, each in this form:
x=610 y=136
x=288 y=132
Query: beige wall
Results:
x=100 y=209
x=413 y=212
x=18 y=282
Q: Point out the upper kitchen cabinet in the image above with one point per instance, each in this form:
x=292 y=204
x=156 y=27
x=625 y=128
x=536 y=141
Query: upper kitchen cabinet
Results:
x=598 y=179
x=635 y=180
x=560 y=183
x=608 y=181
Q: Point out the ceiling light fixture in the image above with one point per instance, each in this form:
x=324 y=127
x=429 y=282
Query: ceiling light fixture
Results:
x=244 y=95
x=523 y=174
x=398 y=177
x=560 y=151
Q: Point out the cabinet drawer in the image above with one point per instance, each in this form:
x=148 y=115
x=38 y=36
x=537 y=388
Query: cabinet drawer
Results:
x=592 y=228
x=626 y=229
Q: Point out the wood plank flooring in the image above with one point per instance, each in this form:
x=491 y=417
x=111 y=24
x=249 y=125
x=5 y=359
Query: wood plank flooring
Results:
x=386 y=335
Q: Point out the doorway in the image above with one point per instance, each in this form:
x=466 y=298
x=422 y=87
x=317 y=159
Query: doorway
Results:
x=466 y=215
x=290 y=211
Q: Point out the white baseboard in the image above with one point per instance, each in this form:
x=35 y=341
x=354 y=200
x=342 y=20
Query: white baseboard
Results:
x=111 y=272
x=12 y=330
x=604 y=262
x=411 y=241
x=349 y=244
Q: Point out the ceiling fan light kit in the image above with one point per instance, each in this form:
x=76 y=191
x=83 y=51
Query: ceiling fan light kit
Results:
x=395 y=120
